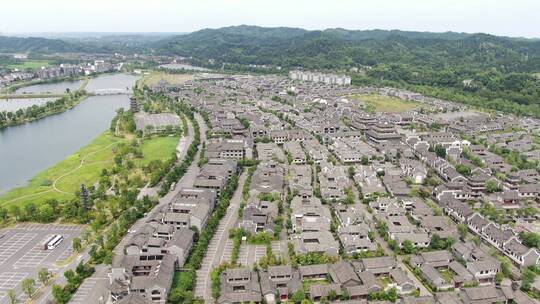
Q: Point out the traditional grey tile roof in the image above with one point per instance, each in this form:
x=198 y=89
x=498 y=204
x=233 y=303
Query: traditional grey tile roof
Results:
x=400 y=277
x=147 y=275
x=134 y=298
x=239 y=285
x=482 y=295
x=369 y=281
x=440 y=258
x=486 y=264
x=357 y=291
x=447 y=298
x=182 y=238
x=432 y=276
x=317 y=290
x=462 y=274
x=310 y=270
x=320 y=241
x=377 y=265
x=282 y=275
x=343 y=273
x=418 y=300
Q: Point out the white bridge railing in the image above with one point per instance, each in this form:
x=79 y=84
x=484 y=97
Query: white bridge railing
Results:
x=112 y=91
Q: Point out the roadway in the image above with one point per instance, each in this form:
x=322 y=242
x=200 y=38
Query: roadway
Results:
x=216 y=248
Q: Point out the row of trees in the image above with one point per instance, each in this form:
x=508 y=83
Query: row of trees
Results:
x=182 y=290
x=39 y=111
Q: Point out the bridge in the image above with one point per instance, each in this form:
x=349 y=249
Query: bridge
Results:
x=100 y=92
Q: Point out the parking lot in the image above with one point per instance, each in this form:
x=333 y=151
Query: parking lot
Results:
x=87 y=291
x=22 y=253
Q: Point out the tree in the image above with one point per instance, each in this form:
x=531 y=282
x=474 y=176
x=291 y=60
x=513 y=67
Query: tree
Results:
x=530 y=239
x=365 y=160
x=332 y=295
x=349 y=199
x=59 y=295
x=15 y=211
x=84 y=197
x=463 y=170
x=492 y=186
x=298 y=296
x=3 y=214
x=28 y=286
x=462 y=230
x=437 y=243
x=506 y=266
x=408 y=247
x=43 y=276
x=440 y=151
x=76 y=244
x=12 y=296
x=46 y=213
x=351 y=171
x=391 y=295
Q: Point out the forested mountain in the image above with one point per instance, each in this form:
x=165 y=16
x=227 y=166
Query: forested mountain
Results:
x=31 y=44
x=478 y=69
x=338 y=48
x=131 y=43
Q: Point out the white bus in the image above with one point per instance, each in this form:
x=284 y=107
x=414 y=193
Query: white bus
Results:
x=54 y=242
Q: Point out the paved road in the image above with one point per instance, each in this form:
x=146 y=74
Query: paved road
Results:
x=370 y=220
x=95 y=287
x=216 y=248
x=45 y=295
x=423 y=289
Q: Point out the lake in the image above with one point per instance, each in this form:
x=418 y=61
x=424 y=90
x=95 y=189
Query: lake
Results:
x=27 y=149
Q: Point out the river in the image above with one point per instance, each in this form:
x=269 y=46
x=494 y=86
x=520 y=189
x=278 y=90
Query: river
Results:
x=27 y=149
x=54 y=88
x=14 y=104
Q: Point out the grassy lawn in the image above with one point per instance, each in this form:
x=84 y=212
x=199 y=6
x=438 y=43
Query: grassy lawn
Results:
x=29 y=64
x=447 y=275
x=308 y=283
x=158 y=148
x=67 y=173
x=385 y=281
x=71 y=172
x=378 y=103
x=154 y=77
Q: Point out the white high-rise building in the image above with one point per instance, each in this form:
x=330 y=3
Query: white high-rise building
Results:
x=319 y=77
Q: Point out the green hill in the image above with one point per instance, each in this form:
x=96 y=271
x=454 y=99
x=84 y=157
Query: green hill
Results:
x=499 y=71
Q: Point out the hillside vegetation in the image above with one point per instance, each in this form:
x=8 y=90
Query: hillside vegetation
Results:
x=477 y=69
x=482 y=70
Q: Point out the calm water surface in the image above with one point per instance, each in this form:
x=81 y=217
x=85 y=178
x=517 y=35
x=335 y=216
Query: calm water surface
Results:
x=14 y=104
x=27 y=149
x=54 y=88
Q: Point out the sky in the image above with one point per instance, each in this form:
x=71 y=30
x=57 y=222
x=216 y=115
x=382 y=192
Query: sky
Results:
x=500 y=17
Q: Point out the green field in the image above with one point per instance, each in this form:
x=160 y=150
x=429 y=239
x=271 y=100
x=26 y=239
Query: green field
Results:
x=29 y=65
x=160 y=148
x=84 y=166
x=155 y=77
x=378 y=103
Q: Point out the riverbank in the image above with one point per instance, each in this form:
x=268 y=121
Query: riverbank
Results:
x=38 y=112
x=155 y=77
x=85 y=166
x=14 y=87
x=83 y=78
